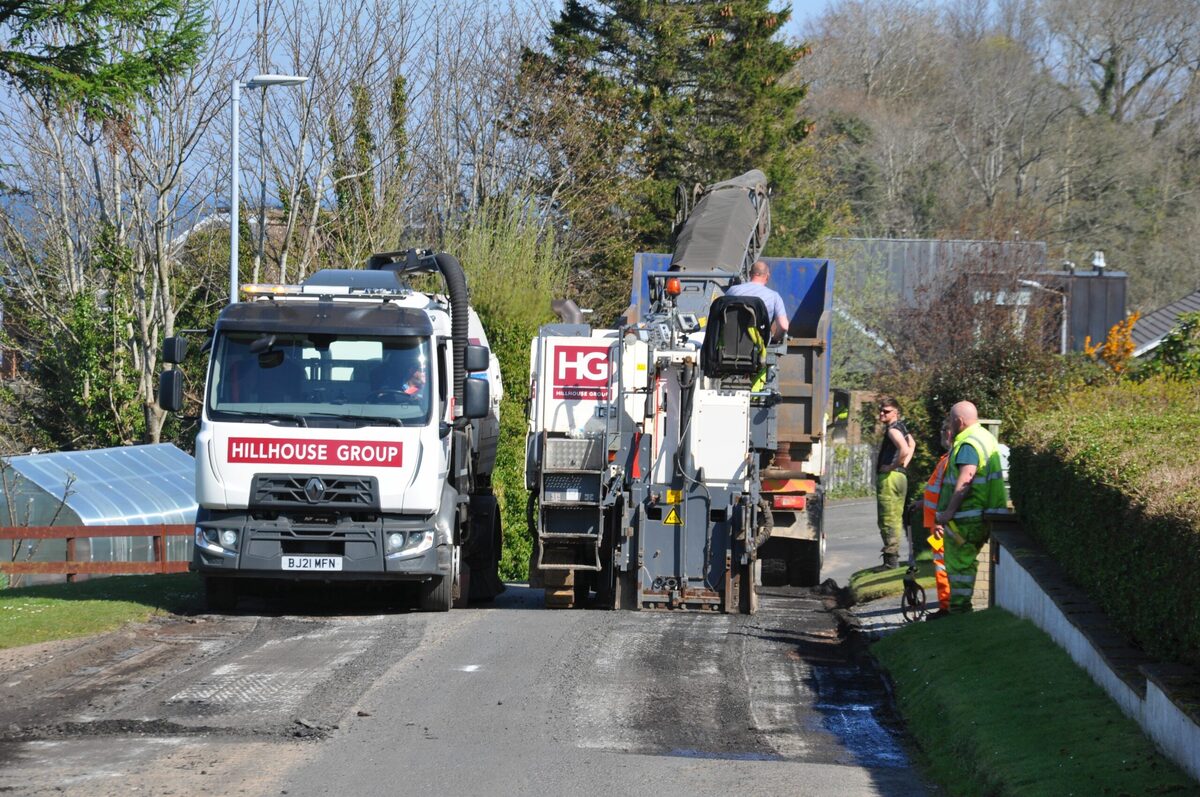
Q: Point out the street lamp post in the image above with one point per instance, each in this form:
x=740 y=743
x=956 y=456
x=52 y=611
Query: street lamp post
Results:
x=258 y=81
x=1062 y=295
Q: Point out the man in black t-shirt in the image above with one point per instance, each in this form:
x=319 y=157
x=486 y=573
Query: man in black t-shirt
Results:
x=891 y=479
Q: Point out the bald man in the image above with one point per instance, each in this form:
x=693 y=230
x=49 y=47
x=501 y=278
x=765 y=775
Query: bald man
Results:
x=760 y=274
x=973 y=483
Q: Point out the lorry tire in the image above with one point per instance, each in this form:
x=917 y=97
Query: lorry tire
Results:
x=437 y=594
x=486 y=543
x=220 y=593
x=774 y=567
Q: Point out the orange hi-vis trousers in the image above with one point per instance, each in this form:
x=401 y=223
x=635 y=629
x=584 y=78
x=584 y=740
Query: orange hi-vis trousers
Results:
x=933 y=489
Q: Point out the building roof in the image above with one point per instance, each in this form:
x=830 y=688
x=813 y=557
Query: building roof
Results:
x=126 y=486
x=1151 y=328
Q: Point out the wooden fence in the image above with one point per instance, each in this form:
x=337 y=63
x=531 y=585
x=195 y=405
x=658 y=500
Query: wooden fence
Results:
x=71 y=568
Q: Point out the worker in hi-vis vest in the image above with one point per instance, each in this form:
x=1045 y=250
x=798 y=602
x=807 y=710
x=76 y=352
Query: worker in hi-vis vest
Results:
x=973 y=483
x=933 y=491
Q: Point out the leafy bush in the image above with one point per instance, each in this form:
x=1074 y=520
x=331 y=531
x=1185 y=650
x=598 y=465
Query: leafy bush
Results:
x=1005 y=375
x=1178 y=356
x=513 y=272
x=1110 y=485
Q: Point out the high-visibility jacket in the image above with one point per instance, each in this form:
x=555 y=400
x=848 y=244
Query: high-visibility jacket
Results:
x=987 y=488
x=933 y=491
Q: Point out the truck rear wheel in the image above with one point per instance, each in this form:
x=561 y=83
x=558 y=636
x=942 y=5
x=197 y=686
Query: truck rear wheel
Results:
x=774 y=566
x=220 y=594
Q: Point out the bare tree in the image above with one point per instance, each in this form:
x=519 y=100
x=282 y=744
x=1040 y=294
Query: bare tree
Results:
x=1135 y=59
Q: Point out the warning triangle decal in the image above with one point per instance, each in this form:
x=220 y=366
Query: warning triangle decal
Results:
x=672 y=518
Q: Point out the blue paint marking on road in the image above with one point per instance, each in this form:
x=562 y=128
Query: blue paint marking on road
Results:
x=729 y=756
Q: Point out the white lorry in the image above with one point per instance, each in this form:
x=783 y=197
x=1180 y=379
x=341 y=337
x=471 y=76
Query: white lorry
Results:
x=348 y=432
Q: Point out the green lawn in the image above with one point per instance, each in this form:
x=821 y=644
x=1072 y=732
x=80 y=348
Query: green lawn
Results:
x=62 y=611
x=999 y=709
x=867 y=585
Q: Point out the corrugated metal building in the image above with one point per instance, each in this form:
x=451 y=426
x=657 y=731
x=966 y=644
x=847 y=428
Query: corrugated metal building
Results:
x=127 y=486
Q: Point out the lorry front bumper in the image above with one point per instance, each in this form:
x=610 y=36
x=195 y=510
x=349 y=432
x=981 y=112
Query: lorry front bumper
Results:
x=262 y=547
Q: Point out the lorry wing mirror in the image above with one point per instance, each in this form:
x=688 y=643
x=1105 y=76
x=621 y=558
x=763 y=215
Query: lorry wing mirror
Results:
x=476 y=397
x=174 y=349
x=478 y=358
x=170 y=390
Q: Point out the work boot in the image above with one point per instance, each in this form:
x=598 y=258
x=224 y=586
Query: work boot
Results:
x=891 y=561
x=938 y=615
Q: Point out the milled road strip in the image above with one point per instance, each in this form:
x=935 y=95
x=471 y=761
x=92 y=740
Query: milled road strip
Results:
x=511 y=697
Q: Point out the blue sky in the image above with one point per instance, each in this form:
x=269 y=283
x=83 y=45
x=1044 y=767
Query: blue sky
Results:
x=802 y=10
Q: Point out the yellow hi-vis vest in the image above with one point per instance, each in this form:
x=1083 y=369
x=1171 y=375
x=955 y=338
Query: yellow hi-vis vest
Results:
x=987 y=488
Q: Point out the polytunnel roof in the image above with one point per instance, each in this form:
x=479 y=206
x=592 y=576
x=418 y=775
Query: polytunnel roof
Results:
x=126 y=486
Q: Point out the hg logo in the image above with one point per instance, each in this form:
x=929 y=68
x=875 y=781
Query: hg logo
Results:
x=580 y=372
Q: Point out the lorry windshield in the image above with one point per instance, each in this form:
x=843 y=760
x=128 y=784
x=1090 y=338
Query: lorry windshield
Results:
x=319 y=378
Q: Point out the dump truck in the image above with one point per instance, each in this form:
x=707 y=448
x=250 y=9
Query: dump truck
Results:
x=673 y=457
x=348 y=432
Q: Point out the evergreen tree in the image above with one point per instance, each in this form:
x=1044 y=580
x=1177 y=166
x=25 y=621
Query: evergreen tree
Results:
x=103 y=54
x=703 y=91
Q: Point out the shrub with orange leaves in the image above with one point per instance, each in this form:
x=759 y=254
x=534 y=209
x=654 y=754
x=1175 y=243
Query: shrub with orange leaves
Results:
x=1117 y=348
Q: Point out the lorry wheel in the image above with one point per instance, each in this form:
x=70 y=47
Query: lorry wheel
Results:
x=437 y=594
x=220 y=594
x=559 y=588
x=774 y=569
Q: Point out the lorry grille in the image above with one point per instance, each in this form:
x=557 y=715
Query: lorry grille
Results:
x=290 y=491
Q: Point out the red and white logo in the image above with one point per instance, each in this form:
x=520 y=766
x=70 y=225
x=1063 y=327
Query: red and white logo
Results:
x=580 y=372
x=354 y=453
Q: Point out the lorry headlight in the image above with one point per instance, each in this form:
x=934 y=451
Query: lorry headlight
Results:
x=229 y=538
x=401 y=545
x=418 y=540
x=213 y=540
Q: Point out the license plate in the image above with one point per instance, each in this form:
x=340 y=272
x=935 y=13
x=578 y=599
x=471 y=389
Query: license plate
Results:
x=312 y=563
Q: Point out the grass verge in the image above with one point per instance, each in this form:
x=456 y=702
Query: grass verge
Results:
x=63 y=611
x=870 y=584
x=999 y=709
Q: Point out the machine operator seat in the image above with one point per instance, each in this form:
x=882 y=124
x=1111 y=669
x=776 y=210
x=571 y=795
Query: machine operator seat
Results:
x=735 y=338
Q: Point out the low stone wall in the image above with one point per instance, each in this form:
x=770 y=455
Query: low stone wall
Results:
x=1161 y=698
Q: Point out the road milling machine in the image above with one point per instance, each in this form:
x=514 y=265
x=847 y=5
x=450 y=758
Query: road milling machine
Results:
x=671 y=457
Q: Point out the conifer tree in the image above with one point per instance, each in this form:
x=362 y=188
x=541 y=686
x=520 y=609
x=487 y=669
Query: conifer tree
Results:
x=102 y=54
x=703 y=90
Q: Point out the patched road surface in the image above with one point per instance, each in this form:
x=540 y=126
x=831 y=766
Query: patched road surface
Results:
x=507 y=699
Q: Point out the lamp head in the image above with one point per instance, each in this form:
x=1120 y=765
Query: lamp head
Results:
x=1098 y=261
x=274 y=80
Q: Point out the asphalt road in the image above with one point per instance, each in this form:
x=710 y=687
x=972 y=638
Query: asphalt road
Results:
x=851 y=539
x=511 y=699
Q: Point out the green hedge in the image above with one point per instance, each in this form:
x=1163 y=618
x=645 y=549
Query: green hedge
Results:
x=514 y=270
x=1109 y=483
